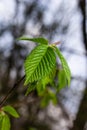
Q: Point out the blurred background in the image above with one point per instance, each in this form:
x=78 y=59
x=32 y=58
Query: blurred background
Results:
x=56 y=20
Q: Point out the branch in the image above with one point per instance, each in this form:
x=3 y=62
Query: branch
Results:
x=10 y=91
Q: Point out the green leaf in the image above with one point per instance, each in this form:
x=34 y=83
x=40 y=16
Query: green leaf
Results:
x=11 y=111
x=1 y=119
x=64 y=65
x=31 y=87
x=41 y=84
x=47 y=97
x=45 y=101
x=49 y=79
x=39 y=40
x=62 y=81
x=40 y=89
x=5 y=123
x=39 y=63
x=53 y=97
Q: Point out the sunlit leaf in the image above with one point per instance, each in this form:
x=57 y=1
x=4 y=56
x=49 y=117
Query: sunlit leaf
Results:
x=64 y=64
x=49 y=96
x=4 y=122
x=39 y=40
x=39 y=63
x=11 y=111
x=62 y=81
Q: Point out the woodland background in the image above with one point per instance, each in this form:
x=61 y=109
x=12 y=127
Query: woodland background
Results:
x=56 y=20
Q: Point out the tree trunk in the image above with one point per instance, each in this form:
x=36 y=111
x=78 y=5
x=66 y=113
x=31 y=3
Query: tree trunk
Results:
x=81 y=119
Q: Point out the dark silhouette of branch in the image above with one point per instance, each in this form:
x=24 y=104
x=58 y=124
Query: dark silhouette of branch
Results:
x=82 y=5
x=10 y=91
x=81 y=118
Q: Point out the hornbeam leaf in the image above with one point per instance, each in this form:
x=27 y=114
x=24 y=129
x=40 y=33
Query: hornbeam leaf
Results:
x=39 y=63
x=64 y=64
x=1 y=119
x=62 y=80
x=11 y=111
x=39 y=40
x=5 y=124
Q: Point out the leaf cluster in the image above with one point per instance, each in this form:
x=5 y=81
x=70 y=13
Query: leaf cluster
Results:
x=41 y=71
x=4 y=118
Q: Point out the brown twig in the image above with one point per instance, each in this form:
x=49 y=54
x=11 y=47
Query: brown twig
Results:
x=10 y=91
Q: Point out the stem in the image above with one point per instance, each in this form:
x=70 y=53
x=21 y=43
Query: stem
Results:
x=10 y=91
x=56 y=43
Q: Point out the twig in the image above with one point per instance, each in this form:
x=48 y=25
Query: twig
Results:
x=10 y=91
x=56 y=43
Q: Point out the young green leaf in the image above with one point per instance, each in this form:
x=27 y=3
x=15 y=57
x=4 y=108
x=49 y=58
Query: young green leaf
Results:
x=45 y=101
x=62 y=82
x=1 y=119
x=39 y=40
x=5 y=123
x=31 y=87
x=39 y=87
x=49 y=96
x=39 y=63
x=53 y=97
x=64 y=64
x=49 y=79
x=11 y=111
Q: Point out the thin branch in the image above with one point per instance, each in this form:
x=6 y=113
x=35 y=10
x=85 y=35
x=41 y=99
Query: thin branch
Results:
x=10 y=91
